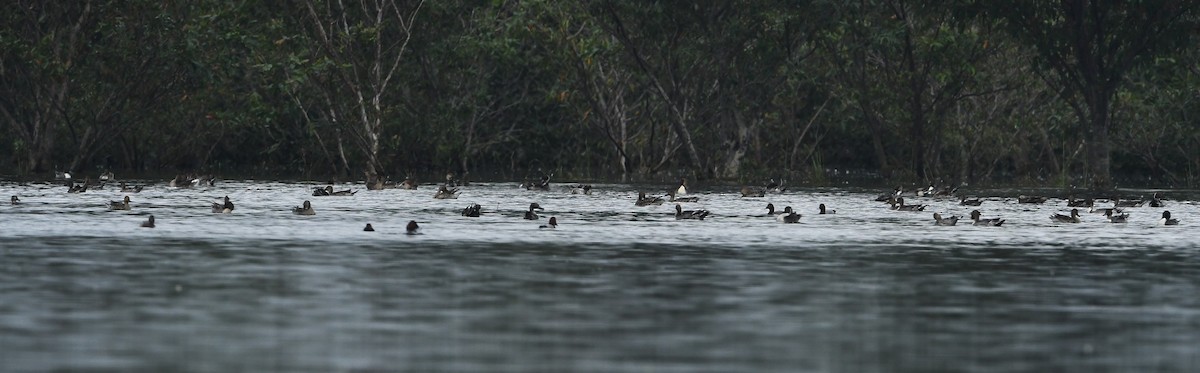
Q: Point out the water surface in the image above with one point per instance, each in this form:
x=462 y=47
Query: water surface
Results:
x=616 y=288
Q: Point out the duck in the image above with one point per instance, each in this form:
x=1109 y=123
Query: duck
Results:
x=119 y=205
x=776 y=187
x=825 y=211
x=149 y=223
x=888 y=197
x=1031 y=199
x=472 y=210
x=330 y=192
x=647 y=201
x=682 y=188
x=992 y=222
x=62 y=175
x=789 y=216
x=180 y=181
x=530 y=214
x=73 y=188
x=1117 y=202
x=227 y=207
x=542 y=184
x=585 y=189
x=408 y=183
x=1105 y=210
x=553 y=223
x=925 y=192
x=1167 y=220
x=939 y=220
x=970 y=202
x=772 y=211
x=368 y=228
x=899 y=205
x=15 y=200
x=1156 y=201
x=412 y=227
x=107 y=176
x=751 y=192
x=446 y=193
x=680 y=213
x=671 y=193
x=1113 y=218
x=307 y=209
x=130 y=189
x=1087 y=202
x=1073 y=218
x=320 y=192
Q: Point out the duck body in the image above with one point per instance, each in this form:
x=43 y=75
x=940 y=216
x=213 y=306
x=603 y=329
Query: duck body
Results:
x=305 y=209
x=970 y=202
x=824 y=211
x=1114 y=218
x=1167 y=220
x=408 y=184
x=786 y=213
x=790 y=217
x=223 y=208
x=939 y=220
x=1088 y=202
x=149 y=223
x=1073 y=218
x=1128 y=203
x=472 y=210
x=899 y=205
x=1031 y=199
x=531 y=214
x=992 y=222
x=130 y=189
x=680 y=213
x=119 y=205
x=672 y=194
x=752 y=192
x=647 y=201
x=553 y=223
x=446 y=193
x=368 y=228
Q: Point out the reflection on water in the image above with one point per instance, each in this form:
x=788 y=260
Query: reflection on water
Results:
x=615 y=288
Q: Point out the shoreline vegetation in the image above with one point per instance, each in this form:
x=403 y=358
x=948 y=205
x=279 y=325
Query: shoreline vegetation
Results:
x=1091 y=95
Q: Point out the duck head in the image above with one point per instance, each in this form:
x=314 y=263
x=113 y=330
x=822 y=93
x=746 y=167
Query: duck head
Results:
x=412 y=227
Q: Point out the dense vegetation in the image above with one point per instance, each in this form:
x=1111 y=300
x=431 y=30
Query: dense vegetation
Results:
x=1050 y=92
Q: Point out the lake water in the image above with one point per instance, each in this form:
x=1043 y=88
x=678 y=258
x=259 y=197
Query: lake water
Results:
x=615 y=288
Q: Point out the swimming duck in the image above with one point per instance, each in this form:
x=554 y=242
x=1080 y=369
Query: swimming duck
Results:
x=1117 y=202
x=1030 y=199
x=1073 y=218
x=1087 y=202
x=682 y=188
x=771 y=210
x=682 y=199
x=106 y=176
x=647 y=201
x=748 y=191
x=130 y=189
x=992 y=222
x=62 y=175
x=824 y=211
x=119 y=205
x=368 y=228
x=970 y=202
x=776 y=187
x=446 y=193
x=888 y=197
x=1113 y=218
x=74 y=188
x=1105 y=211
x=531 y=215
x=227 y=207
x=788 y=216
x=1155 y=201
x=408 y=183
x=307 y=209
x=412 y=227
x=149 y=223
x=926 y=191
x=899 y=205
x=939 y=220
x=680 y=213
x=330 y=192
x=580 y=189
x=472 y=210
x=553 y=223
x=1166 y=219
x=320 y=192
x=542 y=184
x=15 y=200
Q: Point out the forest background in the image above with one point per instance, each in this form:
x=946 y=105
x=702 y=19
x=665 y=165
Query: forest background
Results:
x=1056 y=93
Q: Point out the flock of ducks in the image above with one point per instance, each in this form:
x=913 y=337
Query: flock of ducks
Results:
x=677 y=195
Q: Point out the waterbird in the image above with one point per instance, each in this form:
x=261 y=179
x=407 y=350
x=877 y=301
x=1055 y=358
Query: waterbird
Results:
x=149 y=223
x=939 y=220
x=225 y=208
x=749 y=191
x=307 y=209
x=825 y=211
x=1155 y=201
x=530 y=214
x=130 y=189
x=446 y=193
x=1030 y=199
x=682 y=188
x=899 y=205
x=408 y=183
x=15 y=200
x=553 y=223
x=1117 y=202
x=1073 y=218
x=680 y=213
x=368 y=228
x=789 y=216
x=329 y=190
x=585 y=189
x=1113 y=218
x=647 y=201
x=672 y=193
x=1167 y=220
x=472 y=210
x=412 y=227
x=991 y=222
x=119 y=205
x=1087 y=202
x=970 y=202
x=771 y=209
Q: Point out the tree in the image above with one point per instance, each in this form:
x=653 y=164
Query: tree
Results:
x=1090 y=46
